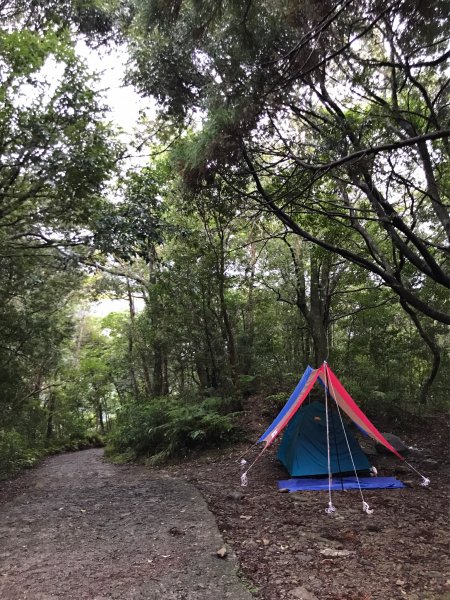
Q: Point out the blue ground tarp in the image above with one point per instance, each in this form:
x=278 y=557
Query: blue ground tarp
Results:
x=339 y=483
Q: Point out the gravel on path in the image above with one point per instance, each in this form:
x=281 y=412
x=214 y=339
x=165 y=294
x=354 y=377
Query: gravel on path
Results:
x=78 y=528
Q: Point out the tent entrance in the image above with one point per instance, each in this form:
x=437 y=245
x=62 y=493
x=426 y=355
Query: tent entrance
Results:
x=303 y=449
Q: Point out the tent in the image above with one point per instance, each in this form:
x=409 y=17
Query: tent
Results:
x=311 y=439
x=334 y=391
x=303 y=449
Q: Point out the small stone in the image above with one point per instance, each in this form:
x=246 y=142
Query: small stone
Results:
x=400 y=582
x=332 y=553
x=235 y=496
x=430 y=462
x=395 y=442
x=301 y=593
x=304 y=558
x=245 y=517
x=222 y=552
x=199 y=586
x=265 y=541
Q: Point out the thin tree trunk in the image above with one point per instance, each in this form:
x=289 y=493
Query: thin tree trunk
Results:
x=314 y=314
x=131 y=370
x=318 y=328
x=434 y=349
x=228 y=329
x=165 y=375
x=249 y=318
x=51 y=405
x=213 y=372
x=119 y=393
x=433 y=190
x=100 y=417
x=158 y=374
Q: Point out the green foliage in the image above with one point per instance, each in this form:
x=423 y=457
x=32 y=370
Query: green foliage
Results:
x=273 y=404
x=19 y=451
x=74 y=443
x=234 y=303
x=15 y=453
x=298 y=125
x=56 y=154
x=97 y=20
x=164 y=428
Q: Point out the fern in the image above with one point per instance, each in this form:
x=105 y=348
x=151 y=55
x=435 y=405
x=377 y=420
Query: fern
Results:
x=163 y=428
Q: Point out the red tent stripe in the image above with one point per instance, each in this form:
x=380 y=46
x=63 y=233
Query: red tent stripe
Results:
x=288 y=416
x=349 y=406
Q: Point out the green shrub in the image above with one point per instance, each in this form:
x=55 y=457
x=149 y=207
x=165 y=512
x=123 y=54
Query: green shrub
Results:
x=15 y=454
x=274 y=404
x=74 y=442
x=249 y=385
x=162 y=428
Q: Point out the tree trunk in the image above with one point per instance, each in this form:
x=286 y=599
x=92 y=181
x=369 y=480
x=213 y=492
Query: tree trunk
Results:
x=314 y=312
x=249 y=320
x=228 y=329
x=434 y=349
x=317 y=310
x=211 y=363
x=51 y=405
x=134 y=385
x=439 y=207
x=202 y=372
x=119 y=392
x=101 y=423
x=165 y=375
x=159 y=388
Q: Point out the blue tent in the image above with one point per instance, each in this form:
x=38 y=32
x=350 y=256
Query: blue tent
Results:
x=303 y=449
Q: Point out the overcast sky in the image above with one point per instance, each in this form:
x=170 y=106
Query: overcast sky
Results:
x=123 y=100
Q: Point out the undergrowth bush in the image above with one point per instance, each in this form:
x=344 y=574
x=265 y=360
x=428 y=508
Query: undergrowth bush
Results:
x=274 y=403
x=18 y=453
x=74 y=443
x=15 y=454
x=163 y=428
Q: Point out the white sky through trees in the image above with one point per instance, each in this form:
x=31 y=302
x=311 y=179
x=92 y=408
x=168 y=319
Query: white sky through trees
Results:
x=124 y=102
x=125 y=106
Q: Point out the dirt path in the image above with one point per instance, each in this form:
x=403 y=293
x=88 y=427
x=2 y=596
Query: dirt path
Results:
x=79 y=528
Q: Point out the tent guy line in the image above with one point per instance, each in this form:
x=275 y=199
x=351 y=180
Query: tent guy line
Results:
x=365 y=505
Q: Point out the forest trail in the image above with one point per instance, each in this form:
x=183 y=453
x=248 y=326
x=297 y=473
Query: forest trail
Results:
x=79 y=528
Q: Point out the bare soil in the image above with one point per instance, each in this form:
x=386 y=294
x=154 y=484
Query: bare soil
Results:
x=285 y=541
x=78 y=528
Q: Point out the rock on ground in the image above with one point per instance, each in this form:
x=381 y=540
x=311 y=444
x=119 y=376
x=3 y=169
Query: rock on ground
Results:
x=395 y=442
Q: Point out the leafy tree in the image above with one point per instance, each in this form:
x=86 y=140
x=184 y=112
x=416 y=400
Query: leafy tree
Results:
x=328 y=110
x=56 y=155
